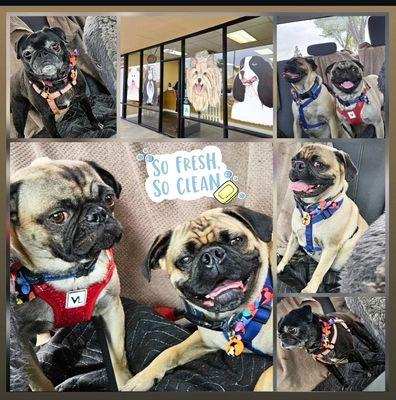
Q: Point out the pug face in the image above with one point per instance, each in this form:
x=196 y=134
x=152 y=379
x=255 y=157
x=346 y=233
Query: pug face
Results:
x=62 y=213
x=346 y=76
x=297 y=329
x=320 y=171
x=44 y=53
x=299 y=69
x=215 y=260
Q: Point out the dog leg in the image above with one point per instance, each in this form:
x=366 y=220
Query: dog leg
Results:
x=379 y=130
x=297 y=130
x=329 y=254
x=190 y=349
x=266 y=381
x=360 y=331
x=357 y=356
x=336 y=372
x=38 y=382
x=50 y=125
x=114 y=319
x=291 y=248
x=86 y=106
x=20 y=110
x=336 y=130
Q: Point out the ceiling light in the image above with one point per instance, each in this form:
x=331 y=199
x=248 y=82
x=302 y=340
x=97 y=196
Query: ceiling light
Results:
x=264 y=52
x=241 y=37
x=171 y=51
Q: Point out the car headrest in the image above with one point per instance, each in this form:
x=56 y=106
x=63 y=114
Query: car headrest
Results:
x=376 y=28
x=322 y=49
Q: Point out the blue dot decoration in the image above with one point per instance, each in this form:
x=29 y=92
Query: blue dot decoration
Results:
x=140 y=157
x=228 y=173
x=149 y=158
x=241 y=196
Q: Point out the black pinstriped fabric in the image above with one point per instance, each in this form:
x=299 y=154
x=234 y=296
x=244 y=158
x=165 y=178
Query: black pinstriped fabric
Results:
x=73 y=361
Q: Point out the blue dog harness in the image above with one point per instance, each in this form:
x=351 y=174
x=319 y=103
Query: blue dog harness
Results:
x=312 y=94
x=312 y=214
x=241 y=329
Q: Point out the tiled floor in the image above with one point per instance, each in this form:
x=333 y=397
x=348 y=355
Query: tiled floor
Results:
x=128 y=130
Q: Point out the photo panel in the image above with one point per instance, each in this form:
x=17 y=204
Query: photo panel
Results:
x=331 y=76
x=327 y=220
x=213 y=81
x=187 y=229
x=330 y=344
x=63 y=76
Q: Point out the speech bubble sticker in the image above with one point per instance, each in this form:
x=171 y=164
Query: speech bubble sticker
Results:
x=189 y=175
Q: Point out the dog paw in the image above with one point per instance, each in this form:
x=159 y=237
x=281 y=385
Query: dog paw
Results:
x=142 y=382
x=309 y=289
x=281 y=266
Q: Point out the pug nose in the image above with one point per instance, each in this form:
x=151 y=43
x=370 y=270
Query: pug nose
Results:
x=299 y=165
x=213 y=256
x=96 y=215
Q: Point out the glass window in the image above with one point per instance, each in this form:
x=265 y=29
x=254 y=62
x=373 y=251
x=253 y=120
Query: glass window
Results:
x=194 y=129
x=133 y=79
x=150 y=118
x=151 y=78
x=204 y=66
x=132 y=113
x=250 y=75
x=172 y=50
x=346 y=31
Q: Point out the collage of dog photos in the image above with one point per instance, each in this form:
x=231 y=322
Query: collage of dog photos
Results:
x=197 y=202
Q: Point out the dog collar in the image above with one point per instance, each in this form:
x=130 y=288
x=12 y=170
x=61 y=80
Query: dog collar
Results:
x=70 y=307
x=239 y=329
x=353 y=116
x=328 y=338
x=313 y=213
x=312 y=94
x=51 y=96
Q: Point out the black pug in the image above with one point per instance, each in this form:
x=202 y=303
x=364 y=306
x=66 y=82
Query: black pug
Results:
x=328 y=338
x=49 y=81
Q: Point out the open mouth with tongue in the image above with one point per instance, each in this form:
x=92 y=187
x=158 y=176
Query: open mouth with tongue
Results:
x=248 y=82
x=226 y=295
x=307 y=190
x=293 y=76
x=347 y=85
x=198 y=87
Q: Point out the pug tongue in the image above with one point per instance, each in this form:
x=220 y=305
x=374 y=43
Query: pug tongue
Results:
x=300 y=186
x=226 y=285
x=347 y=84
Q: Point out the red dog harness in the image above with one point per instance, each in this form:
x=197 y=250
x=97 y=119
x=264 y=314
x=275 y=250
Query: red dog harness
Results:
x=52 y=96
x=353 y=116
x=70 y=307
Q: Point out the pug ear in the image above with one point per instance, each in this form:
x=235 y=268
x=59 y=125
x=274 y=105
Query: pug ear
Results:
x=106 y=177
x=58 y=32
x=18 y=45
x=359 y=64
x=349 y=166
x=312 y=63
x=14 y=200
x=157 y=250
x=260 y=224
x=329 y=67
x=306 y=312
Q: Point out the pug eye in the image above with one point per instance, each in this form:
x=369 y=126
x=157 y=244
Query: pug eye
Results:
x=293 y=330
x=318 y=164
x=236 y=241
x=55 y=46
x=58 y=217
x=109 y=200
x=27 y=55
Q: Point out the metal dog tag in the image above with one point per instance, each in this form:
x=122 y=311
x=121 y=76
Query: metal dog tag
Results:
x=306 y=219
